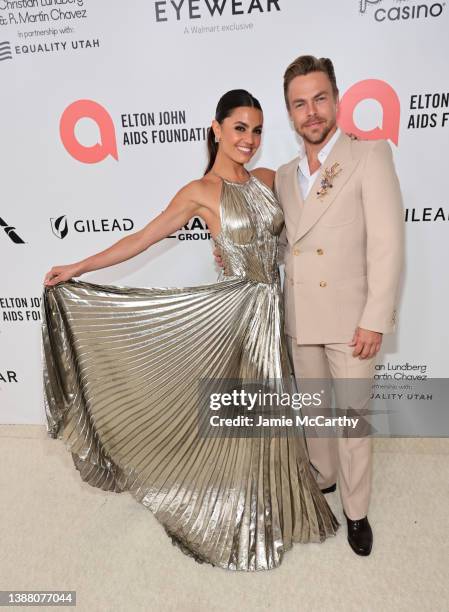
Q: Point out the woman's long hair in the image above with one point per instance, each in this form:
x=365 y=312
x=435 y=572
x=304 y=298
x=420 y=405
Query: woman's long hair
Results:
x=227 y=103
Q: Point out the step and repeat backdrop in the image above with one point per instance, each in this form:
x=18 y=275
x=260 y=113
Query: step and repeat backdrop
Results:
x=105 y=107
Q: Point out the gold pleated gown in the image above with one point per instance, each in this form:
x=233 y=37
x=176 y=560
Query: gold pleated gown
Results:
x=121 y=367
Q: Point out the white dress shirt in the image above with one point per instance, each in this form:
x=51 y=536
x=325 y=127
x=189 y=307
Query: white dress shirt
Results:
x=306 y=179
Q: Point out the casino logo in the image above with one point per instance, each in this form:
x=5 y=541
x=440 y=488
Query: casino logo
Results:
x=401 y=10
x=363 y=5
x=10 y=231
x=60 y=227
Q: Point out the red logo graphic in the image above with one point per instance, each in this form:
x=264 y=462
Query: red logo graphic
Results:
x=98 y=152
x=371 y=89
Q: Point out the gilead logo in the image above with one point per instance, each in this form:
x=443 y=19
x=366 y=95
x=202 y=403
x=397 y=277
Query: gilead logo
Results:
x=82 y=109
x=371 y=89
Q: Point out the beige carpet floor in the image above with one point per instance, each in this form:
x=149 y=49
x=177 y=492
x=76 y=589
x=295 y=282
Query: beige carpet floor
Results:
x=57 y=533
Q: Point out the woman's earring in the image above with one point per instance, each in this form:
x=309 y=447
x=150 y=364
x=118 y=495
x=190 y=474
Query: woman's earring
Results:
x=217 y=139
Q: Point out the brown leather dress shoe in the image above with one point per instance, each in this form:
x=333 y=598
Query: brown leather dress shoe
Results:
x=360 y=536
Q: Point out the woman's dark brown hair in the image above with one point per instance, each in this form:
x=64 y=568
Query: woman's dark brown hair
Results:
x=227 y=103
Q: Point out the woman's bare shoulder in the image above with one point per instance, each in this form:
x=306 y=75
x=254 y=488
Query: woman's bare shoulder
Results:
x=202 y=190
x=266 y=175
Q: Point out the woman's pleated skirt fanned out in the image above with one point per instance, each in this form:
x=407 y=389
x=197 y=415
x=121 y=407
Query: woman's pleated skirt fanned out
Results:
x=121 y=376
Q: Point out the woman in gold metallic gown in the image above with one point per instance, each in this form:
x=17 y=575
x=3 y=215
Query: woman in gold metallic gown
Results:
x=122 y=366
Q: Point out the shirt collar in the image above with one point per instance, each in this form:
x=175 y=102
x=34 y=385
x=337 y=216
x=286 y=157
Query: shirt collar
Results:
x=323 y=153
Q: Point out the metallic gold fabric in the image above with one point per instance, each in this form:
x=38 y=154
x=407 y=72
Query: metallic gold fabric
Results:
x=121 y=372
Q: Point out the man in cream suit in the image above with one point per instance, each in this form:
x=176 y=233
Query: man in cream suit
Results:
x=343 y=254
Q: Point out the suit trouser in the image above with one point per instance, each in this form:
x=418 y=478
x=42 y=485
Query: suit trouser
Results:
x=346 y=458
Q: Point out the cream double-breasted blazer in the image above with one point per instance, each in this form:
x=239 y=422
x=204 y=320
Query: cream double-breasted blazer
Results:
x=343 y=251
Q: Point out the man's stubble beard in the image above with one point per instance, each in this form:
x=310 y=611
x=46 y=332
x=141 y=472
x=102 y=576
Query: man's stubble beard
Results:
x=321 y=138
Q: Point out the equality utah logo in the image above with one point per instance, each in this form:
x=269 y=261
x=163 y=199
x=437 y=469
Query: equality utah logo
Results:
x=5 y=50
x=399 y=10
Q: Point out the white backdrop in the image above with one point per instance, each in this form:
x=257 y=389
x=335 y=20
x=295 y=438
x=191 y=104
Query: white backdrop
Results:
x=62 y=200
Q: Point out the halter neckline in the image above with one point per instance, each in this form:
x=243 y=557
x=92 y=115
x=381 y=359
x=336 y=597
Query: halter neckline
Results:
x=250 y=176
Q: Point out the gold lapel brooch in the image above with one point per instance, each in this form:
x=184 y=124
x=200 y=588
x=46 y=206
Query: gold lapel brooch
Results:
x=327 y=179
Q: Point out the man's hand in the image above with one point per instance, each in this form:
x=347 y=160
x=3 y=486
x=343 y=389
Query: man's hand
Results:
x=367 y=343
x=218 y=258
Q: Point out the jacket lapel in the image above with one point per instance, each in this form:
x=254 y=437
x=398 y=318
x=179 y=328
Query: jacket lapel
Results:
x=294 y=189
x=314 y=207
